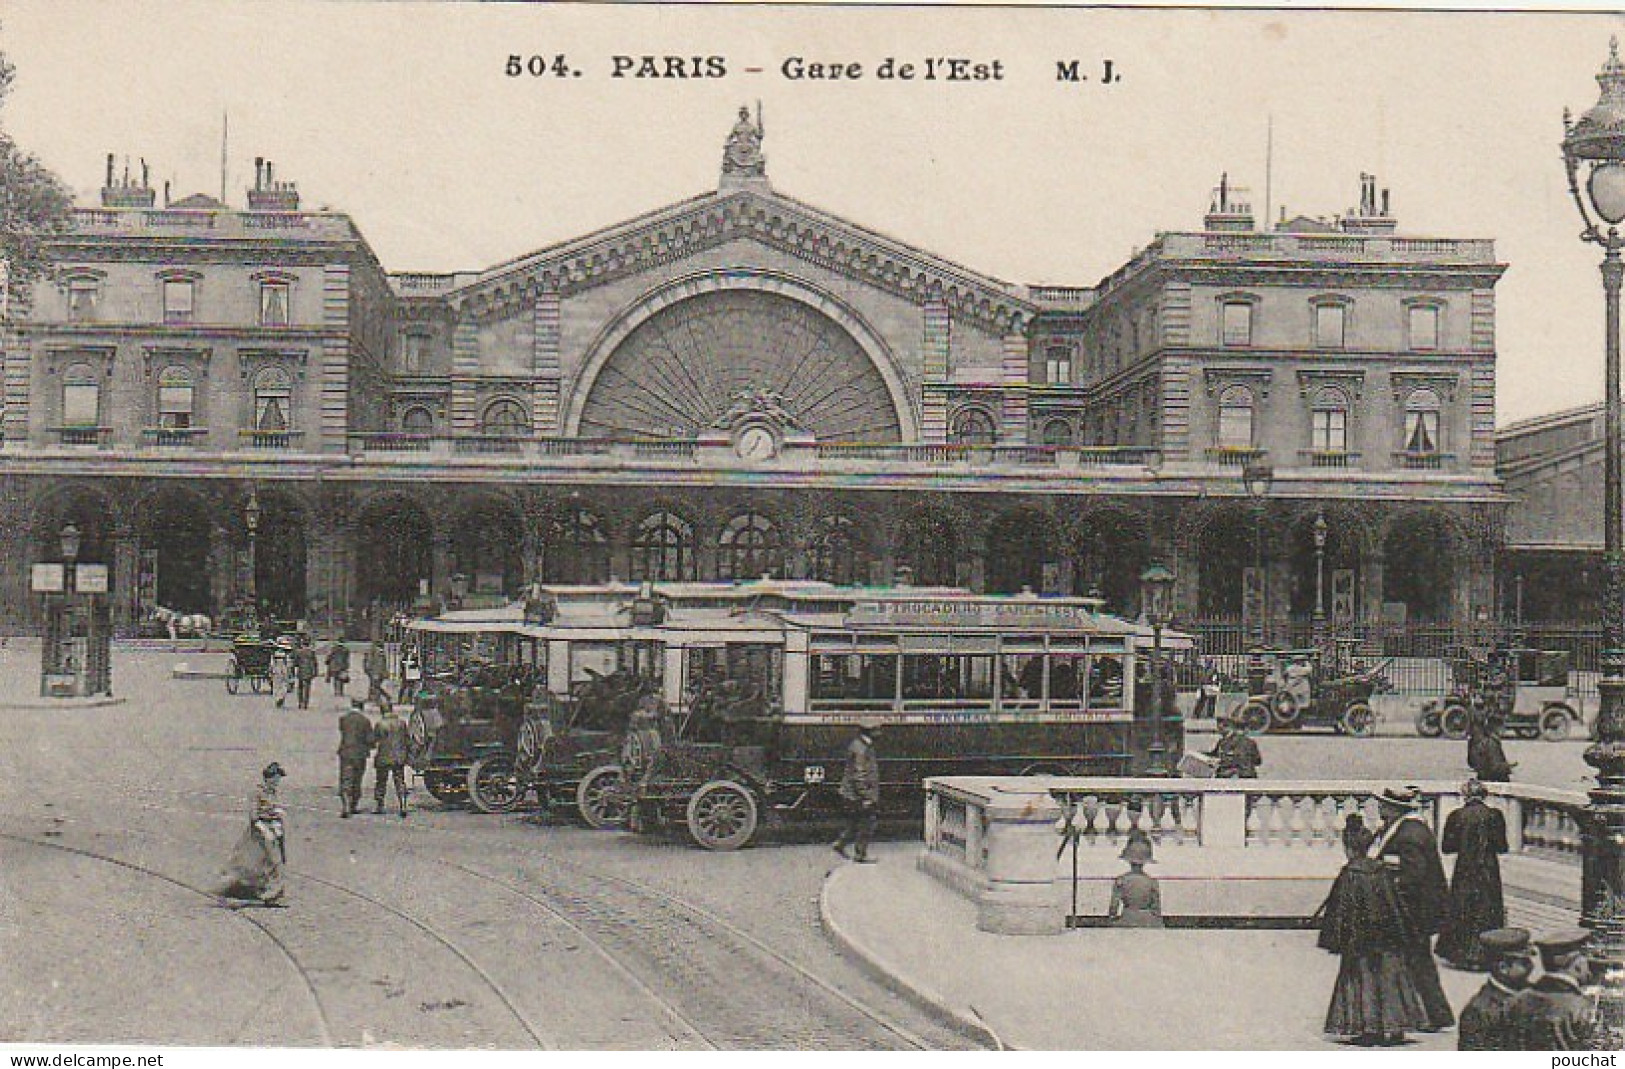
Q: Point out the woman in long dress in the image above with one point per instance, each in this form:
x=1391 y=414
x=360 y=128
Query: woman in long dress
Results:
x=254 y=873
x=1477 y=835
x=1374 y=1000
x=1136 y=898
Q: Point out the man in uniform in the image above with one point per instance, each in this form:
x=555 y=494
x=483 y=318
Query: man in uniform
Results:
x=1236 y=753
x=389 y=763
x=1407 y=845
x=304 y=670
x=1484 y=1024
x=376 y=665
x=355 y=745
x=860 y=790
x=1555 y=1013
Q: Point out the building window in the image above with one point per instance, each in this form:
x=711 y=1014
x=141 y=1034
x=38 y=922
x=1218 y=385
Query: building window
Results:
x=750 y=548
x=1331 y=324
x=505 y=419
x=577 y=549
x=1057 y=432
x=273 y=400
x=1424 y=327
x=663 y=549
x=414 y=348
x=417 y=420
x=1236 y=418
x=1058 y=366
x=84 y=294
x=1236 y=323
x=972 y=426
x=1422 y=423
x=1329 y=422
x=180 y=295
x=175 y=399
x=836 y=554
x=273 y=304
x=81 y=397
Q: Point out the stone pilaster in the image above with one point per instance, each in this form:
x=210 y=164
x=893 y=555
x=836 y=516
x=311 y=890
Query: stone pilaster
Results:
x=1014 y=374
x=935 y=349
x=545 y=416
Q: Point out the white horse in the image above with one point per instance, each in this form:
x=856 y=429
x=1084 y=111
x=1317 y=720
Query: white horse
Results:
x=183 y=625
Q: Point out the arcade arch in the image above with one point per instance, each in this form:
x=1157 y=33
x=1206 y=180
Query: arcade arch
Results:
x=394 y=551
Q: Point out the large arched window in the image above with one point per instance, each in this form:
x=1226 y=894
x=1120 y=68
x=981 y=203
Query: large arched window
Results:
x=273 y=400
x=417 y=420
x=1236 y=418
x=176 y=398
x=972 y=426
x=1058 y=432
x=1422 y=423
x=750 y=548
x=81 y=396
x=1329 y=422
x=663 y=549
x=837 y=553
x=505 y=419
x=577 y=550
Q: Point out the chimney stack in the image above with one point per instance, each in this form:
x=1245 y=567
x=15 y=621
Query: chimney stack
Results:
x=1232 y=208
x=1373 y=216
x=125 y=193
x=269 y=195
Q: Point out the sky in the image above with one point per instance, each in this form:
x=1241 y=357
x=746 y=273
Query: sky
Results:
x=403 y=116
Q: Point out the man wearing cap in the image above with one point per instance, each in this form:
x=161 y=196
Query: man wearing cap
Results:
x=1236 y=753
x=1484 y=1022
x=1406 y=845
x=1555 y=1013
x=860 y=791
x=356 y=739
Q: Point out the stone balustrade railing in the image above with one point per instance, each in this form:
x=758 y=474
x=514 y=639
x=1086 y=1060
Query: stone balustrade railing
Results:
x=996 y=839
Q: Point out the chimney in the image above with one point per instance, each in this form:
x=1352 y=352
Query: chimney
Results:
x=1232 y=208
x=124 y=193
x=1373 y=216
x=268 y=195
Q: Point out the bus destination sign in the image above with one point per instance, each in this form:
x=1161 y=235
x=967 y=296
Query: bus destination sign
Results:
x=1003 y=615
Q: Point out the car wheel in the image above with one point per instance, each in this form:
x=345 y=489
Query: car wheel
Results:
x=1556 y=722
x=1359 y=720
x=1453 y=722
x=493 y=786
x=722 y=815
x=598 y=798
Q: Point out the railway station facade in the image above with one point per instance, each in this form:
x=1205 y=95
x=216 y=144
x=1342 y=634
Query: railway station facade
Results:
x=236 y=403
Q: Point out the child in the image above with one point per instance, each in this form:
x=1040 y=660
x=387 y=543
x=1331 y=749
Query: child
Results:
x=1136 y=898
x=1374 y=1001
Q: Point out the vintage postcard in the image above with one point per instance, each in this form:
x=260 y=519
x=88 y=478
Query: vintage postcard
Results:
x=809 y=528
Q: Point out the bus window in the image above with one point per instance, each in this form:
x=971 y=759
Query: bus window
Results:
x=854 y=680
x=947 y=677
x=1106 y=683
x=1066 y=674
x=1021 y=679
x=643 y=659
x=592 y=660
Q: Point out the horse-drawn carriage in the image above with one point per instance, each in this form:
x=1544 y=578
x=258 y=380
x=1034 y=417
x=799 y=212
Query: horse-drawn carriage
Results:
x=250 y=664
x=1526 y=690
x=1294 y=689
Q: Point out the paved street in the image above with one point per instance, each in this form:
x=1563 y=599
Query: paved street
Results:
x=447 y=929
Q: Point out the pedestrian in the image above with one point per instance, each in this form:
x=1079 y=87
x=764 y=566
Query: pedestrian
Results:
x=1207 y=700
x=355 y=745
x=304 y=670
x=1484 y=1021
x=281 y=669
x=411 y=672
x=1555 y=1012
x=860 y=793
x=1236 y=753
x=1485 y=754
x=254 y=873
x=389 y=762
x=338 y=666
x=1136 y=897
x=1477 y=835
x=1406 y=845
x=1374 y=1000
x=376 y=665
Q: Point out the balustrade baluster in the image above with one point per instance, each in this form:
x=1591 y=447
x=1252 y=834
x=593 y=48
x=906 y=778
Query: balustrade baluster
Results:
x=1190 y=819
x=1298 y=829
x=1256 y=805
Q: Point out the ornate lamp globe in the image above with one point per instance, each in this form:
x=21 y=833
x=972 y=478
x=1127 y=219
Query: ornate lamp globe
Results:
x=1595 y=146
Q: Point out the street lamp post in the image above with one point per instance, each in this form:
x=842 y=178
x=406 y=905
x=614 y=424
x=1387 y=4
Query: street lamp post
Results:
x=251 y=520
x=1319 y=625
x=1595 y=145
x=1158 y=582
x=1256 y=477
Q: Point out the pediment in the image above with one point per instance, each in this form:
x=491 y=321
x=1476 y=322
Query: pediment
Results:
x=779 y=222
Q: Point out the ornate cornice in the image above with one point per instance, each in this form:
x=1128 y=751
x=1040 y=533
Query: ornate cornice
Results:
x=1444 y=383
x=773 y=220
x=1217 y=378
x=1350 y=380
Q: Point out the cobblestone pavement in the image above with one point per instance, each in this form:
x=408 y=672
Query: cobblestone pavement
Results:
x=448 y=929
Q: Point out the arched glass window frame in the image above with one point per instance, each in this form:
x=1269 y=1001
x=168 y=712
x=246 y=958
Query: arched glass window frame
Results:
x=492 y=427
x=1057 y=433
x=407 y=420
x=987 y=434
x=1420 y=403
x=1329 y=435
x=81 y=380
x=577 y=548
x=176 y=398
x=1236 y=397
x=837 y=553
x=663 y=549
x=751 y=545
x=270 y=384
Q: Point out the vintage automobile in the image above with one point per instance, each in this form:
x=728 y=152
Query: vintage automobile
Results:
x=1295 y=689
x=461 y=715
x=567 y=752
x=1528 y=689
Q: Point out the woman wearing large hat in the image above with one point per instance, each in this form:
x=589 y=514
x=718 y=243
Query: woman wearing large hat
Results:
x=1406 y=844
x=254 y=873
x=1136 y=897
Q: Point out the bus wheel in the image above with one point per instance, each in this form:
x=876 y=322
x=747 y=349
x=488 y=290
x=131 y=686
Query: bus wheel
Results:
x=722 y=815
x=492 y=785
x=1255 y=717
x=1427 y=722
x=1359 y=720
x=1555 y=722
x=598 y=798
x=1453 y=722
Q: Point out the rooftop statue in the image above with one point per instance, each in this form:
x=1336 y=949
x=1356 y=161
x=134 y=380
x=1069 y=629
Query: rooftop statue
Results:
x=743 y=153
